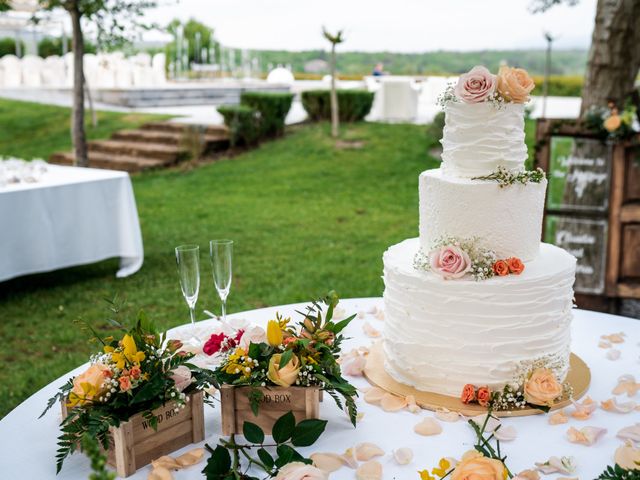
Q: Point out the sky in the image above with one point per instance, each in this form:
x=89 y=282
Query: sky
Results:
x=379 y=25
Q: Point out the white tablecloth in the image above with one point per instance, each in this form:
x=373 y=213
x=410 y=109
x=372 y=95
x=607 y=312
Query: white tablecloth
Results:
x=28 y=444
x=73 y=216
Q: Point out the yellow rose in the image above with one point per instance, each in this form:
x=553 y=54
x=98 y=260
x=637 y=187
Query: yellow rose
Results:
x=474 y=466
x=613 y=123
x=285 y=376
x=90 y=384
x=515 y=84
x=542 y=388
x=274 y=333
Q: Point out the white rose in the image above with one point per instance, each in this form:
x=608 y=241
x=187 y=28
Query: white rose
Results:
x=182 y=377
x=301 y=471
x=253 y=334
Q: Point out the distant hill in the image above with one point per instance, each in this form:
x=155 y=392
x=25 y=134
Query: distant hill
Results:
x=564 y=62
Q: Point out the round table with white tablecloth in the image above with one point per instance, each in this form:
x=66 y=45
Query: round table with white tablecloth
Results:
x=29 y=444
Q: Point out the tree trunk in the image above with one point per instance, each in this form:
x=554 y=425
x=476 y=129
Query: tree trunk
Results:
x=614 y=57
x=79 y=137
x=334 y=95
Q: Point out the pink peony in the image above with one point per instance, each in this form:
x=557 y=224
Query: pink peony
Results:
x=475 y=86
x=450 y=262
x=181 y=375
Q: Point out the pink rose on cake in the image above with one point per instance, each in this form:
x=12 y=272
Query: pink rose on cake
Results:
x=450 y=262
x=475 y=86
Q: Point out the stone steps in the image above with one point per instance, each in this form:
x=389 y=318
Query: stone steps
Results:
x=181 y=127
x=110 y=162
x=167 y=137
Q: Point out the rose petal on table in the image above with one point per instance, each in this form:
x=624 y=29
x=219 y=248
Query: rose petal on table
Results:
x=328 y=462
x=349 y=458
x=359 y=416
x=446 y=415
x=492 y=423
x=369 y=331
x=167 y=462
x=586 y=435
x=584 y=409
x=363 y=350
x=613 y=354
x=403 y=456
x=380 y=315
x=160 y=473
x=339 y=313
x=626 y=384
x=191 y=457
x=627 y=456
x=567 y=478
x=373 y=310
x=612 y=405
x=604 y=344
x=564 y=465
x=412 y=406
x=428 y=426
x=614 y=337
x=558 y=417
x=354 y=366
x=527 y=475
x=361 y=314
x=371 y=470
x=505 y=434
x=374 y=395
x=392 y=403
x=366 y=451
x=630 y=433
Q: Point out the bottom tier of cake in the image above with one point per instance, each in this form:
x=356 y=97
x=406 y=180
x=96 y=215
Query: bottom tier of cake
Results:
x=442 y=334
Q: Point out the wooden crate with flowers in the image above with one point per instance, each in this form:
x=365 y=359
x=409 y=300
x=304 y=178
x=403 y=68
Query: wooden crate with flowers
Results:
x=265 y=374
x=140 y=397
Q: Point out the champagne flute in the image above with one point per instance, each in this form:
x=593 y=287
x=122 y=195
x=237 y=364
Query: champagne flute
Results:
x=221 y=252
x=188 y=262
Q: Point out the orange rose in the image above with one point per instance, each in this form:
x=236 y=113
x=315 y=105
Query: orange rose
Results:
x=542 y=388
x=484 y=396
x=285 y=376
x=515 y=265
x=515 y=84
x=135 y=371
x=468 y=394
x=613 y=123
x=125 y=383
x=475 y=466
x=90 y=384
x=501 y=268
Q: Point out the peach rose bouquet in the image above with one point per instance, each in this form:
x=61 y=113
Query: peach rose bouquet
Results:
x=475 y=466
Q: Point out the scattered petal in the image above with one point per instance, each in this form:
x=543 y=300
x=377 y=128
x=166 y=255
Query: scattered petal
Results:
x=585 y=436
x=328 y=462
x=446 y=415
x=160 y=473
x=354 y=367
x=564 y=465
x=191 y=457
x=166 y=462
x=349 y=458
x=627 y=456
x=359 y=416
x=428 y=426
x=584 y=409
x=366 y=451
x=403 y=456
x=506 y=434
x=372 y=470
x=567 y=478
x=339 y=313
x=370 y=331
x=374 y=395
x=626 y=384
x=492 y=423
x=612 y=405
x=604 y=344
x=392 y=403
x=558 y=417
x=614 y=337
x=380 y=315
x=361 y=314
x=412 y=406
x=373 y=310
x=630 y=433
x=613 y=354
x=527 y=475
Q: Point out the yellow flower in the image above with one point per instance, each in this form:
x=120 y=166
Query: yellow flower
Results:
x=239 y=363
x=443 y=467
x=613 y=123
x=274 y=333
x=285 y=376
x=128 y=355
x=424 y=475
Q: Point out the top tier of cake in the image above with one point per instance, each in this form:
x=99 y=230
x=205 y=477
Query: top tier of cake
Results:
x=480 y=137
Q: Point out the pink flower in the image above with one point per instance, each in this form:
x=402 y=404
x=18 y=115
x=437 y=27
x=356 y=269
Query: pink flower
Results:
x=450 y=262
x=475 y=86
x=182 y=377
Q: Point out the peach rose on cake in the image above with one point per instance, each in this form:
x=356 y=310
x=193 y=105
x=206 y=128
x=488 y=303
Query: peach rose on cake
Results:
x=285 y=376
x=542 y=388
x=515 y=265
x=515 y=84
x=475 y=86
x=450 y=262
x=468 y=394
x=484 y=396
x=475 y=466
x=501 y=268
x=301 y=471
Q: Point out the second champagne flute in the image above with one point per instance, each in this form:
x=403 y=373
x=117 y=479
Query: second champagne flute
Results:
x=221 y=252
x=188 y=262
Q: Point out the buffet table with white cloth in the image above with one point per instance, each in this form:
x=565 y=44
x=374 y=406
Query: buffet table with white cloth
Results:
x=70 y=216
x=29 y=445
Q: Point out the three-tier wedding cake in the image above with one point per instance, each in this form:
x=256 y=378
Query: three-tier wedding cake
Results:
x=477 y=298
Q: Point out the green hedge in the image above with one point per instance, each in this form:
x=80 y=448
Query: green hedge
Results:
x=8 y=46
x=243 y=124
x=353 y=105
x=272 y=107
x=560 y=86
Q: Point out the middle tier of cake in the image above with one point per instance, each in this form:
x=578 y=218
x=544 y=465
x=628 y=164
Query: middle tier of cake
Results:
x=442 y=334
x=507 y=220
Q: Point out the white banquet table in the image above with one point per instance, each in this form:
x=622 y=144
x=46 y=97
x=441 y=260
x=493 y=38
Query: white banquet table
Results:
x=29 y=444
x=71 y=216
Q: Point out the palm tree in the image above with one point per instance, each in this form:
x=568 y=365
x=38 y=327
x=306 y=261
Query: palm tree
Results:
x=335 y=40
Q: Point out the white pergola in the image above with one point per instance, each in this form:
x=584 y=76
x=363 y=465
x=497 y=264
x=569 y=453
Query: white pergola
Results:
x=18 y=21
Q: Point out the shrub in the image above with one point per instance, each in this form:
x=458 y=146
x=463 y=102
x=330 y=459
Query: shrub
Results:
x=353 y=105
x=435 y=128
x=49 y=46
x=272 y=107
x=561 y=86
x=8 y=46
x=243 y=124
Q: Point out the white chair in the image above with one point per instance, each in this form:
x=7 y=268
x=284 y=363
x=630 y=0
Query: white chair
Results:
x=123 y=73
x=12 y=71
x=32 y=67
x=158 y=66
x=53 y=72
x=399 y=99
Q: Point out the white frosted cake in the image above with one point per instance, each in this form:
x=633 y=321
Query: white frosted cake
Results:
x=477 y=299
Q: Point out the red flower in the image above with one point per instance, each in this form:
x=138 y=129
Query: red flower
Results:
x=214 y=344
x=237 y=338
x=468 y=394
x=484 y=396
x=501 y=268
x=515 y=265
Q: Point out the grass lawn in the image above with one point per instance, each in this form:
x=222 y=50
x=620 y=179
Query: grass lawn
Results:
x=305 y=217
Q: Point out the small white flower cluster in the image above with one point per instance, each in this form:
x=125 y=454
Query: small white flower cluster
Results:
x=447 y=96
x=482 y=259
x=110 y=386
x=511 y=397
x=307 y=378
x=497 y=100
x=557 y=363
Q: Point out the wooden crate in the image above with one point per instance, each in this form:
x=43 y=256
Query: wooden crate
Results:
x=304 y=402
x=135 y=444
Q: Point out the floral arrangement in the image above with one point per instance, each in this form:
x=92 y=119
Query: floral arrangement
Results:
x=506 y=178
x=287 y=355
x=510 y=85
x=135 y=374
x=453 y=258
x=610 y=122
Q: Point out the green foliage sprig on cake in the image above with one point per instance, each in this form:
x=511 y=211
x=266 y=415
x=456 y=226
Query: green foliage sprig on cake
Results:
x=274 y=456
x=287 y=355
x=507 y=178
x=135 y=374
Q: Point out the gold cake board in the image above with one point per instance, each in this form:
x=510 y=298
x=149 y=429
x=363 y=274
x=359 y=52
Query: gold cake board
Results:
x=579 y=377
